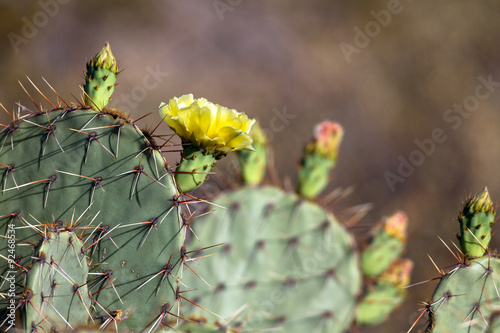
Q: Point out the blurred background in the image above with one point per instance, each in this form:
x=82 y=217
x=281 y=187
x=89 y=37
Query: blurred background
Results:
x=412 y=82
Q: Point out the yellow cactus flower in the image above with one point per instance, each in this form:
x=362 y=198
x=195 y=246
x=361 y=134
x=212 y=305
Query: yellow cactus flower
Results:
x=210 y=127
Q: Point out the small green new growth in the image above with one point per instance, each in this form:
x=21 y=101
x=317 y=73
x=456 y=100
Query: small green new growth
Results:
x=100 y=79
x=476 y=220
x=194 y=168
x=253 y=164
x=388 y=273
x=320 y=157
x=385 y=246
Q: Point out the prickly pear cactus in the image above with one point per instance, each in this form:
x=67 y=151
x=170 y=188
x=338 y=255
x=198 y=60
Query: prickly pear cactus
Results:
x=284 y=261
x=124 y=209
x=467 y=296
x=92 y=218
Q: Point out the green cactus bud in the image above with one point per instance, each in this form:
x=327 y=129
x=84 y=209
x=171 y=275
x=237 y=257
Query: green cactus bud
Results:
x=319 y=159
x=379 y=301
x=100 y=79
x=476 y=220
x=254 y=163
x=386 y=246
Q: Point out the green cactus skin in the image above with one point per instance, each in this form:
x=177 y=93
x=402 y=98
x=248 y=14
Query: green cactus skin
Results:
x=386 y=245
x=59 y=275
x=379 y=255
x=193 y=169
x=494 y=322
x=125 y=209
x=253 y=164
x=477 y=218
x=195 y=325
x=100 y=79
x=466 y=295
x=282 y=254
x=378 y=302
x=384 y=294
x=314 y=175
x=199 y=325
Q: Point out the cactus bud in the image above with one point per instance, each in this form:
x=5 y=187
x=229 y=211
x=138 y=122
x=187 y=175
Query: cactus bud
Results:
x=327 y=138
x=476 y=220
x=319 y=158
x=105 y=59
x=385 y=295
x=253 y=163
x=396 y=225
x=385 y=246
x=398 y=273
x=100 y=78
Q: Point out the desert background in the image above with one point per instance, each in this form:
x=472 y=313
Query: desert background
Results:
x=393 y=73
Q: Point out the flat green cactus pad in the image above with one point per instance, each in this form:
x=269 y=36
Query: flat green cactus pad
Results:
x=467 y=299
x=97 y=175
x=279 y=253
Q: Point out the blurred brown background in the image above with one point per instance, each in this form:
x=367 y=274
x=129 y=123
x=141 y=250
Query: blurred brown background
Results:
x=389 y=82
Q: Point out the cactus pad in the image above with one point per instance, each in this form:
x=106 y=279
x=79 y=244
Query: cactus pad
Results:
x=97 y=175
x=467 y=297
x=279 y=251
